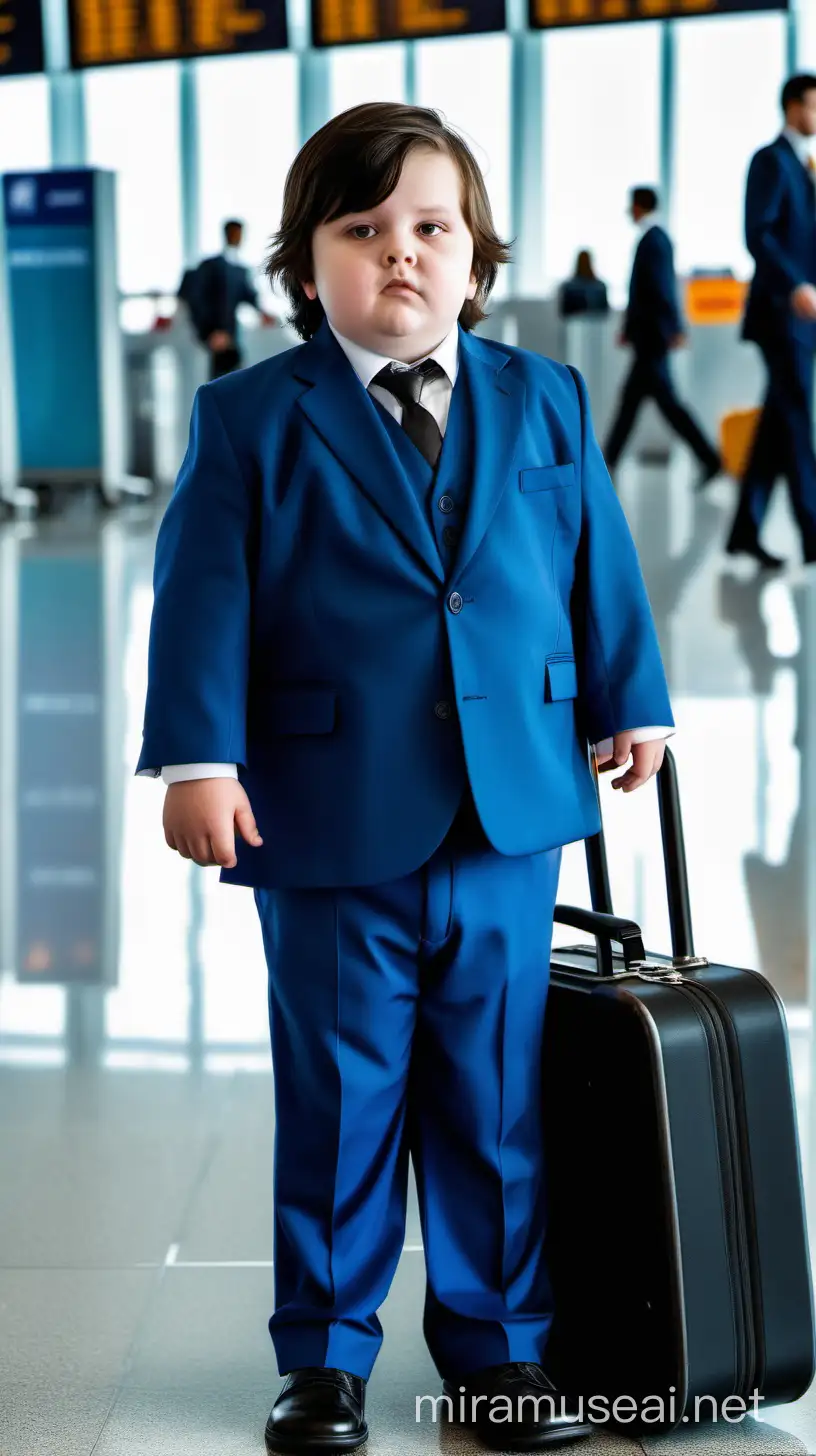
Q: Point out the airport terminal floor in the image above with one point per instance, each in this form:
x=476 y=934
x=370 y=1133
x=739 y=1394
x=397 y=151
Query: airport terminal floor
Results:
x=136 y=1106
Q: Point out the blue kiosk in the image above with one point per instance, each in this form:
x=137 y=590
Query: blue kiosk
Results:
x=66 y=346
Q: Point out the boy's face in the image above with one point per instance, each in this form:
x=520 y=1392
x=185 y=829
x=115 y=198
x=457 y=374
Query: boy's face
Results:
x=418 y=234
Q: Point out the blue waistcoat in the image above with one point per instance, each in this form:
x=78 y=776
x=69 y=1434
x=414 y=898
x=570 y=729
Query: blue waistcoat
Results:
x=443 y=493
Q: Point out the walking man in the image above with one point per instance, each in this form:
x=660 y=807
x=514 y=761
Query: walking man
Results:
x=780 y=232
x=653 y=326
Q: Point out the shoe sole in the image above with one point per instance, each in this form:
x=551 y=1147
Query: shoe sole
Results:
x=537 y=1443
x=498 y=1442
x=331 y=1443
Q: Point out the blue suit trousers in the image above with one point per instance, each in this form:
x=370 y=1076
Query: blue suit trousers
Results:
x=406 y=1017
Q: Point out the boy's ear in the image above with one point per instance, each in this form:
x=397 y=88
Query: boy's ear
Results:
x=309 y=289
x=473 y=285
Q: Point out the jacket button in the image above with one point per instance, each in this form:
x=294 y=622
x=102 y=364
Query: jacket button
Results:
x=450 y=535
x=455 y=603
x=443 y=710
x=446 y=504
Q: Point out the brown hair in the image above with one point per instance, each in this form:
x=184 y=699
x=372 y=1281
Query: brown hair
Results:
x=352 y=164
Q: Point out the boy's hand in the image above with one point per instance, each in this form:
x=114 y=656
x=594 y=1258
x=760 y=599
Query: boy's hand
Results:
x=646 y=760
x=202 y=816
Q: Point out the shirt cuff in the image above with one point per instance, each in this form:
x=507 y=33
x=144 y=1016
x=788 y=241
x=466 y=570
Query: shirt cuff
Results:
x=181 y=773
x=639 y=735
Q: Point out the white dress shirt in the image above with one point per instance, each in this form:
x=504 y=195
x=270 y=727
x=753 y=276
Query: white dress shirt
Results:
x=436 y=398
x=802 y=145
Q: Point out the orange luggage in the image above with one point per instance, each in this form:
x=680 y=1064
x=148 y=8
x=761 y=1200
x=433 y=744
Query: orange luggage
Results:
x=737 y=431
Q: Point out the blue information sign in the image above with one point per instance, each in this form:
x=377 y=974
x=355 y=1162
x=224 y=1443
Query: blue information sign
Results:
x=21 y=38
x=51 y=260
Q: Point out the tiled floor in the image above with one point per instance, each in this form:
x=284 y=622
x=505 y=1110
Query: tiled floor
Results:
x=136 y=1119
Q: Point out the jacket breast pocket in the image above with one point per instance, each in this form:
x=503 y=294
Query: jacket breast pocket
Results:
x=546 y=477
x=560 y=679
x=292 y=711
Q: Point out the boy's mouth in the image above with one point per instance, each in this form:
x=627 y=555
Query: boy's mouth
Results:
x=400 y=285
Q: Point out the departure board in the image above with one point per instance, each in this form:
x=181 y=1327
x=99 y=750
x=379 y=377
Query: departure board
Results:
x=551 y=13
x=21 y=38
x=349 y=22
x=115 y=32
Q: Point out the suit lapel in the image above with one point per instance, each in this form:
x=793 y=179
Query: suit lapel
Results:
x=346 y=419
x=798 y=173
x=497 y=414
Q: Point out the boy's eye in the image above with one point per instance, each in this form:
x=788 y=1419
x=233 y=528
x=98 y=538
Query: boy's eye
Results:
x=360 y=230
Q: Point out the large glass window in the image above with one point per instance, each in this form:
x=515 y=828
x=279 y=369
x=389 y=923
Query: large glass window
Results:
x=248 y=136
x=25 y=139
x=467 y=78
x=601 y=137
x=806 y=25
x=729 y=75
x=134 y=129
x=366 y=73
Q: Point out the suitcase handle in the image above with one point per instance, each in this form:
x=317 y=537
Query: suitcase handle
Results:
x=605 y=928
x=674 y=860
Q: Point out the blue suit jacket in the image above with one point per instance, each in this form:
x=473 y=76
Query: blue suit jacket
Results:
x=780 y=233
x=302 y=624
x=653 y=317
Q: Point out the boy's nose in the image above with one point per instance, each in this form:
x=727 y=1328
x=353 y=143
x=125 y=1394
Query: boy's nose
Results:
x=400 y=250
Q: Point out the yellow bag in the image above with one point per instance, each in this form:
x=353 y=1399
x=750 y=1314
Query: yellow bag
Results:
x=737 y=431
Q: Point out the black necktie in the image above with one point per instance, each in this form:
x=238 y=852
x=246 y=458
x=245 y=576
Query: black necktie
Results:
x=418 y=423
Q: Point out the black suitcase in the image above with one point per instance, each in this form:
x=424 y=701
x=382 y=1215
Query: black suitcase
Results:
x=676 y=1239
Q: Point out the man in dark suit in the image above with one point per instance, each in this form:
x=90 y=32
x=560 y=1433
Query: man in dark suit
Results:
x=780 y=232
x=213 y=294
x=653 y=326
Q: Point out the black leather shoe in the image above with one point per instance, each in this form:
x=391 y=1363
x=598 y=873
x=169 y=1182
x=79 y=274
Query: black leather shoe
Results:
x=529 y=1416
x=318 y=1410
x=766 y=560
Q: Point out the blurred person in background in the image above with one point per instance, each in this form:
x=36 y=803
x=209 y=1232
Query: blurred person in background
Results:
x=212 y=292
x=780 y=233
x=654 y=326
x=584 y=292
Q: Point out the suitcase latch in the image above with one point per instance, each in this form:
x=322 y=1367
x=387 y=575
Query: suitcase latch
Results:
x=653 y=971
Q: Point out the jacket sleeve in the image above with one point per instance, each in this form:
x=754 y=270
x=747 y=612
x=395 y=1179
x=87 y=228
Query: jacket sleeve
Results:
x=249 y=293
x=621 y=680
x=670 y=308
x=198 y=655
x=763 y=205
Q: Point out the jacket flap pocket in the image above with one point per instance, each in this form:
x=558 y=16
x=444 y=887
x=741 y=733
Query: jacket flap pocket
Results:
x=561 y=679
x=302 y=710
x=546 y=477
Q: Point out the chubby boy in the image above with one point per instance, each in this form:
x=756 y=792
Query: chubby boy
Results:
x=395 y=597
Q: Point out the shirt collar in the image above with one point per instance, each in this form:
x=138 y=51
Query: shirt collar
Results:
x=366 y=364
x=801 y=144
x=648 y=222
